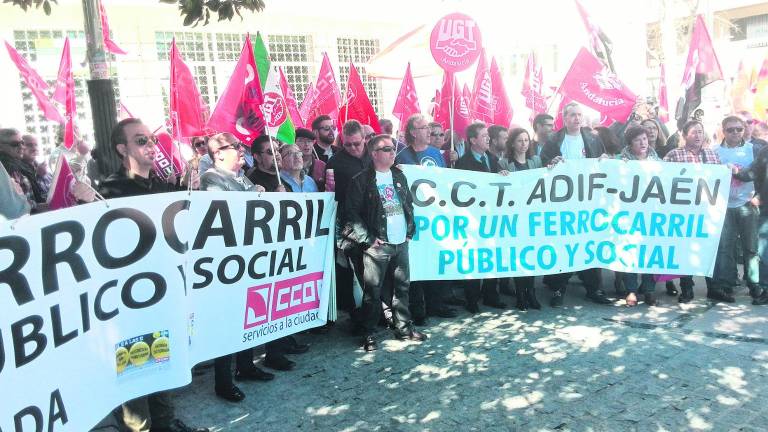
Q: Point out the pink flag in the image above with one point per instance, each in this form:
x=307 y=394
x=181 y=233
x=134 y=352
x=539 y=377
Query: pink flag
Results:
x=481 y=104
x=60 y=195
x=532 y=86
x=187 y=109
x=168 y=159
x=592 y=28
x=290 y=101
x=327 y=97
x=407 y=103
x=761 y=76
x=239 y=108
x=109 y=44
x=502 y=109
x=462 y=113
x=306 y=104
x=65 y=71
x=591 y=83
x=357 y=105
x=663 y=103
x=65 y=76
x=35 y=84
x=123 y=112
x=435 y=105
x=443 y=103
x=701 y=68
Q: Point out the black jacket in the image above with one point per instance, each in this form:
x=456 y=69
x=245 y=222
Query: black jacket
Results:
x=593 y=147
x=266 y=180
x=364 y=213
x=469 y=163
x=345 y=166
x=120 y=184
x=758 y=172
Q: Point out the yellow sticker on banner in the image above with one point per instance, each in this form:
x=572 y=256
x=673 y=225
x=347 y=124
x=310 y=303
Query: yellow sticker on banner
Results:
x=139 y=353
x=160 y=348
x=121 y=356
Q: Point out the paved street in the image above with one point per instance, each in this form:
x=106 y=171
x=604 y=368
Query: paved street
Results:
x=582 y=367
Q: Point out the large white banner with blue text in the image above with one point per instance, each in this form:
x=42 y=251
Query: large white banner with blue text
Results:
x=645 y=217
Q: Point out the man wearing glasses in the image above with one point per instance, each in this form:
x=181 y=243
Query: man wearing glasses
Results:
x=379 y=215
x=135 y=145
x=11 y=156
x=325 y=132
x=740 y=217
x=292 y=171
x=264 y=171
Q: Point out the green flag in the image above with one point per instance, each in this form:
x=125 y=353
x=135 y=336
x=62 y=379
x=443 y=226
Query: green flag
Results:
x=279 y=124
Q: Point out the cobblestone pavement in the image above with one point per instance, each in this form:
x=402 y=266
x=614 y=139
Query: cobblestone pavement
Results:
x=583 y=367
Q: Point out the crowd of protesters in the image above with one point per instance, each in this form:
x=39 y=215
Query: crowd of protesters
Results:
x=375 y=218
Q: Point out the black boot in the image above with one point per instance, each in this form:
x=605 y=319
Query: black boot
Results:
x=533 y=302
x=671 y=290
x=762 y=300
x=522 y=300
x=686 y=296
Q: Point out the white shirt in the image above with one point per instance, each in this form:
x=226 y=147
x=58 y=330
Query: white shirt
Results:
x=397 y=227
x=573 y=147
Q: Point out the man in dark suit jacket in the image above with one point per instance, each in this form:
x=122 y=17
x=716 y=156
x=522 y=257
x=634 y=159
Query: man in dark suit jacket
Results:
x=478 y=158
x=572 y=142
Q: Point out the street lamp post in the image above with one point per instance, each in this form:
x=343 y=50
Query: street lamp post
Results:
x=100 y=89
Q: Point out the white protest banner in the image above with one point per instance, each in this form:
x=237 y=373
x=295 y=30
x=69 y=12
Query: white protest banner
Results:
x=97 y=301
x=645 y=217
x=261 y=271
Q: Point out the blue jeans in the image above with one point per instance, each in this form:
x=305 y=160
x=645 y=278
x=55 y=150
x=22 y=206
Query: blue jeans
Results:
x=739 y=222
x=380 y=263
x=647 y=283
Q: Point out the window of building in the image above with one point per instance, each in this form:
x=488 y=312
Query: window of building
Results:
x=358 y=51
x=295 y=54
x=42 y=48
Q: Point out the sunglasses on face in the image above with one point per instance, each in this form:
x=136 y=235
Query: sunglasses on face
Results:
x=236 y=146
x=734 y=130
x=436 y=134
x=199 y=144
x=141 y=141
x=387 y=149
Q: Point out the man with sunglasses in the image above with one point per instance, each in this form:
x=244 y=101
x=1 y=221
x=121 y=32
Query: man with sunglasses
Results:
x=379 y=218
x=325 y=131
x=265 y=171
x=740 y=217
x=11 y=156
x=136 y=147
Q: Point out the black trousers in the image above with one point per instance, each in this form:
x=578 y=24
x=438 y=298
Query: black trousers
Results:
x=222 y=366
x=590 y=277
x=487 y=288
x=380 y=263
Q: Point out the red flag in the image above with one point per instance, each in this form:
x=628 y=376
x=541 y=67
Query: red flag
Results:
x=123 y=112
x=187 y=109
x=65 y=71
x=290 y=101
x=533 y=85
x=592 y=28
x=306 y=104
x=701 y=68
x=357 y=105
x=761 y=76
x=502 y=109
x=60 y=195
x=591 y=83
x=168 y=159
x=462 y=113
x=663 y=103
x=407 y=103
x=109 y=44
x=481 y=103
x=327 y=97
x=443 y=102
x=434 y=106
x=65 y=75
x=36 y=85
x=239 y=108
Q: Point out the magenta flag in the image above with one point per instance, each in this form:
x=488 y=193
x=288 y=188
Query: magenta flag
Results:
x=502 y=108
x=65 y=71
x=357 y=105
x=306 y=104
x=462 y=112
x=239 y=108
x=187 y=109
x=407 y=103
x=443 y=103
x=533 y=83
x=70 y=105
x=592 y=84
x=701 y=68
x=109 y=44
x=592 y=28
x=35 y=84
x=663 y=103
x=327 y=98
x=60 y=195
x=481 y=103
x=290 y=101
x=168 y=160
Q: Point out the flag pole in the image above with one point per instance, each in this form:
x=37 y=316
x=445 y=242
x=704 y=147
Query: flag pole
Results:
x=451 y=106
x=274 y=157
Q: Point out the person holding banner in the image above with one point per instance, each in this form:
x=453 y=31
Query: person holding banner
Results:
x=266 y=163
x=479 y=158
x=226 y=152
x=13 y=202
x=572 y=142
x=542 y=128
x=516 y=159
x=135 y=145
x=292 y=171
x=379 y=217
x=637 y=148
x=694 y=151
